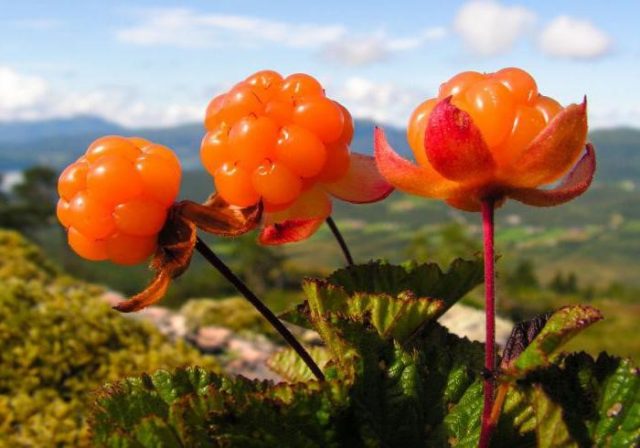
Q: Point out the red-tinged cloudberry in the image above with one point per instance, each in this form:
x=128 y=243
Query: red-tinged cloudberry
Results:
x=114 y=199
x=282 y=142
x=492 y=136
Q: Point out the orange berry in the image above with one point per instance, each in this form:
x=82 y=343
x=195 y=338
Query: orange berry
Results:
x=129 y=250
x=298 y=86
x=417 y=128
x=252 y=139
x=88 y=248
x=140 y=217
x=491 y=107
x=266 y=84
x=119 y=203
x=279 y=111
x=212 y=115
x=162 y=151
x=112 y=145
x=348 y=129
x=90 y=216
x=274 y=208
x=72 y=180
x=276 y=183
x=337 y=164
x=63 y=212
x=548 y=106
x=321 y=116
x=233 y=184
x=520 y=83
x=139 y=142
x=300 y=150
x=527 y=124
x=239 y=102
x=160 y=178
x=459 y=83
x=215 y=150
x=113 y=179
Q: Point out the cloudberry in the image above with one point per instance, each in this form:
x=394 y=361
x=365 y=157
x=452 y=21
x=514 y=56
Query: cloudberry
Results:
x=283 y=142
x=114 y=199
x=278 y=132
x=492 y=135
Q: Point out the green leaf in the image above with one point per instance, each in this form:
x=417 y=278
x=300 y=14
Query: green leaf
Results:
x=424 y=280
x=619 y=406
x=551 y=429
x=288 y=364
x=191 y=407
x=410 y=281
x=561 y=326
x=396 y=317
x=154 y=431
x=463 y=422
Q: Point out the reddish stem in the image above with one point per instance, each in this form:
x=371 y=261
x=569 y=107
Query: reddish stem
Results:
x=490 y=319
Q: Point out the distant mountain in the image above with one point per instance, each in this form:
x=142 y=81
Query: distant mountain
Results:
x=59 y=145
x=618 y=153
x=57 y=142
x=25 y=131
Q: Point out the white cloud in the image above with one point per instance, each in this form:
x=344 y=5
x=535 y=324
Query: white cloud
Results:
x=25 y=97
x=489 y=28
x=185 y=28
x=19 y=92
x=567 y=37
x=381 y=102
x=362 y=50
x=610 y=117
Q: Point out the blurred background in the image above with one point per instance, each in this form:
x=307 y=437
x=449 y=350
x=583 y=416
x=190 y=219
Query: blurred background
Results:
x=73 y=71
x=70 y=72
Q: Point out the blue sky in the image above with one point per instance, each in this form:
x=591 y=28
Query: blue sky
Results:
x=157 y=63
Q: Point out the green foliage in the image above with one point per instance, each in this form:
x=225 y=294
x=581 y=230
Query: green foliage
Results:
x=31 y=202
x=23 y=260
x=395 y=378
x=442 y=245
x=59 y=343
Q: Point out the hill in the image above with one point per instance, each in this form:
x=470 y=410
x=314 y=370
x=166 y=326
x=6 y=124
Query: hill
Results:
x=26 y=131
x=23 y=146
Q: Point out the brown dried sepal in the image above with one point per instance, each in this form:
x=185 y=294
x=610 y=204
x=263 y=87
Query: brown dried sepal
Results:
x=175 y=248
x=218 y=217
x=177 y=240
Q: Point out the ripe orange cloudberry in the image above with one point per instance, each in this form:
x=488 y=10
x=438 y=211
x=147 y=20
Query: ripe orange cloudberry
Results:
x=492 y=136
x=282 y=142
x=114 y=199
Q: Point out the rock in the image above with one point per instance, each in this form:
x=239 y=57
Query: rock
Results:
x=466 y=321
x=250 y=351
x=112 y=298
x=212 y=339
x=177 y=326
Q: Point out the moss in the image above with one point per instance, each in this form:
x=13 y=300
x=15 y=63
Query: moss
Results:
x=19 y=258
x=60 y=342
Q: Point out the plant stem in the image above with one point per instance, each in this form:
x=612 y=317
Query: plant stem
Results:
x=490 y=319
x=217 y=263
x=343 y=245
